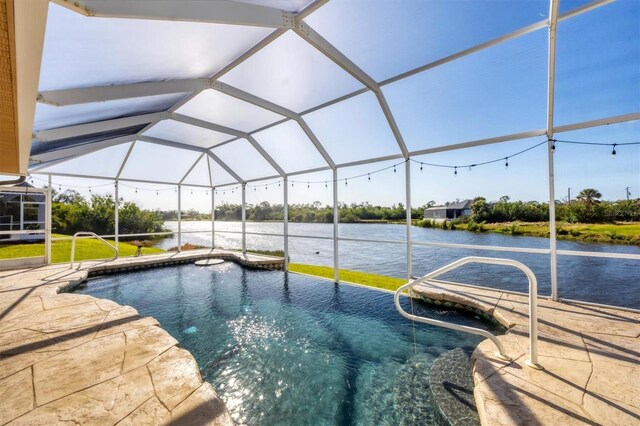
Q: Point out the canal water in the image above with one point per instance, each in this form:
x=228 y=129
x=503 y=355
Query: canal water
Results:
x=600 y=280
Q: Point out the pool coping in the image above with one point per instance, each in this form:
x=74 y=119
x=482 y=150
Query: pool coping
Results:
x=66 y=356
x=590 y=357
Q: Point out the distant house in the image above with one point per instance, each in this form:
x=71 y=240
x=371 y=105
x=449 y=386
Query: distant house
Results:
x=21 y=211
x=450 y=211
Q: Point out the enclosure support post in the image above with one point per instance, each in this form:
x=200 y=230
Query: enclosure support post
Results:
x=47 y=224
x=213 y=218
x=553 y=20
x=244 y=217
x=116 y=218
x=286 y=223
x=408 y=207
x=336 y=220
x=179 y=218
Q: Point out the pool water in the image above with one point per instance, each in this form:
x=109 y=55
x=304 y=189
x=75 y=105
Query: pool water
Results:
x=286 y=349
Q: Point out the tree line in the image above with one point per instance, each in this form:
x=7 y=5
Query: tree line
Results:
x=71 y=213
x=586 y=208
x=308 y=213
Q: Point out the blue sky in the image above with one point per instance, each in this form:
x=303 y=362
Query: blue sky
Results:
x=498 y=91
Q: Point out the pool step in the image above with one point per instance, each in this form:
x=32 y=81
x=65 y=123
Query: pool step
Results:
x=451 y=387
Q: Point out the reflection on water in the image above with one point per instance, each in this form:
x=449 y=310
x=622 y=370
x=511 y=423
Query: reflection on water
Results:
x=292 y=349
x=610 y=281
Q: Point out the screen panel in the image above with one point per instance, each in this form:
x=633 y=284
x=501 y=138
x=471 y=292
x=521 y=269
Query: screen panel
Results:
x=84 y=52
x=499 y=91
x=292 y=73
x=158 y=163
x=290 y=147
x=391 y=37
x=185 y=133
x=216 y=107
x=354 y=129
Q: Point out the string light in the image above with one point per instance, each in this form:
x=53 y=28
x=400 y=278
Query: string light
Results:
x=613 y=146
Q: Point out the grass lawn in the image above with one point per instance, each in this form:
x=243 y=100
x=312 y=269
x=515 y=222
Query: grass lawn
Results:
x=86 y=249
x=371 y=280
x=608 y=233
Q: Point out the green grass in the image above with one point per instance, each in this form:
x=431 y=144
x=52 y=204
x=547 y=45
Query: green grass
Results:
x=357 y=277
x=607 y=233
x=86 y=249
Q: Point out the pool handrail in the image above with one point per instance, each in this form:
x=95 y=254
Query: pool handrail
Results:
x=93 y=235
x=533 y=303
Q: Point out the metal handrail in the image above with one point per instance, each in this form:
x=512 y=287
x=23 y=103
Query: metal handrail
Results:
x=533 y=303
x=94 y=235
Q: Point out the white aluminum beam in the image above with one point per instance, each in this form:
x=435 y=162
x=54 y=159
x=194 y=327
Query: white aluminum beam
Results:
x=191 y=168
x=218 y=12
x=206 y=125
x=331 y=52
x=252 y=99
x=80 y=149
x=553 y=23
x=225 y=167
x=599 y=122
x=96 y=127
x=125 y=91
x=314 y=140
x=124 y=160
x=265 y=155
x=172 y=144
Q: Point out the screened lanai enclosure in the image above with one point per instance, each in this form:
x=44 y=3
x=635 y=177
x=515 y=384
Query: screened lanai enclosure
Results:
x=240 y=98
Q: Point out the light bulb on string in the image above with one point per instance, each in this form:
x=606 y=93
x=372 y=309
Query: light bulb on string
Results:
x=308 y=185
x=89 y=190
x=325 y=184
x=265 y=187
x=613 y=152
x=394 y=168
x=156 y=192
x=136 y=190
x=369 y=177
x=455 y=170
x=420 y=166
x=345 y=182
x=506 y=162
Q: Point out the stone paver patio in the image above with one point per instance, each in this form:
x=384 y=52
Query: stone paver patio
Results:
x=75 y=359
x=71 y=358
x=590 y=355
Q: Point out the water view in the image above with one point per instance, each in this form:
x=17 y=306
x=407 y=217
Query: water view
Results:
x=609 y=281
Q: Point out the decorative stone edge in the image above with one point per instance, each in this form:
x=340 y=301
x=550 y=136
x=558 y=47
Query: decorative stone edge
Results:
x=439 y=297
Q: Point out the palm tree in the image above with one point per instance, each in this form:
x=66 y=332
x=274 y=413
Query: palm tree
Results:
x=589 y=196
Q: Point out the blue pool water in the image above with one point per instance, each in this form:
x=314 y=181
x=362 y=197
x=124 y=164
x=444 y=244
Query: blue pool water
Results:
x=293 y=350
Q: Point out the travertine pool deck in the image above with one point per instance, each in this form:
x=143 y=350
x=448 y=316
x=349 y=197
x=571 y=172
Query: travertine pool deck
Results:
x=75 y=359
x=590 y=355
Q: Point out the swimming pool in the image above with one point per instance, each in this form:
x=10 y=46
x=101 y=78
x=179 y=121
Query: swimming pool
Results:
x=290 y=349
